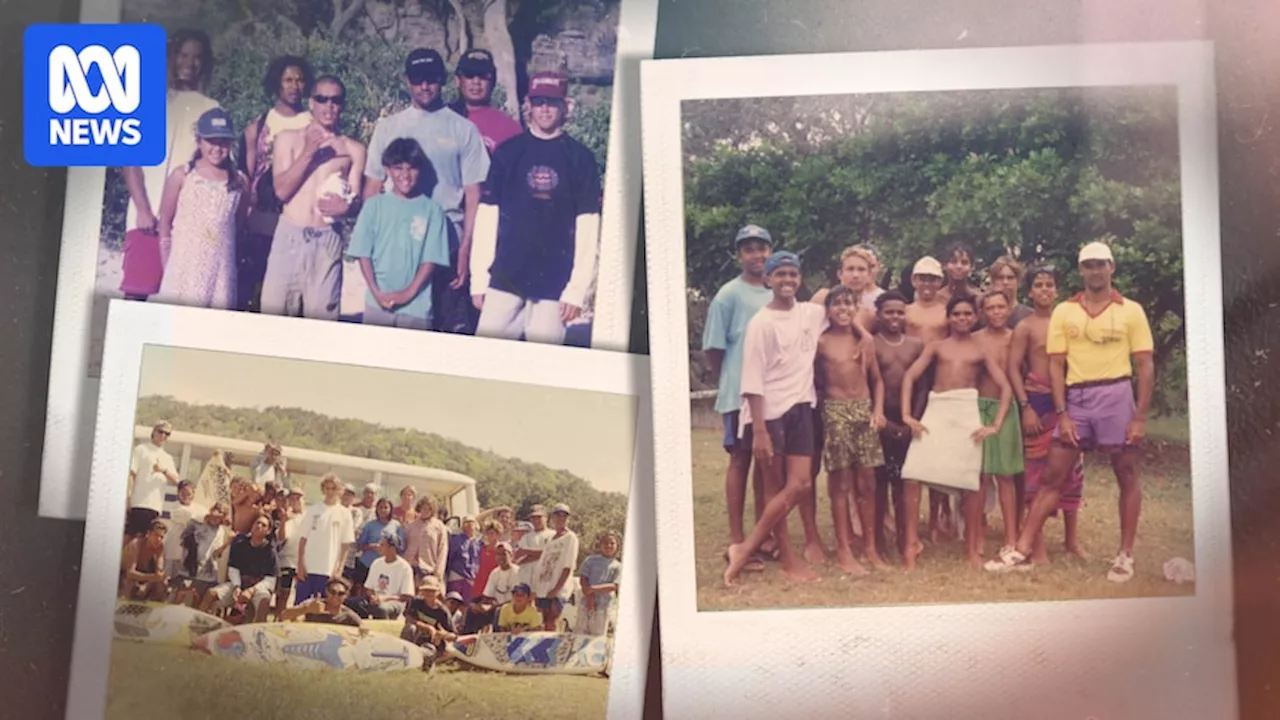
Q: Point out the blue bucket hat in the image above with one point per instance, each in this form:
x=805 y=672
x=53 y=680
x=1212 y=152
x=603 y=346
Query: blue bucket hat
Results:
x=781 y=259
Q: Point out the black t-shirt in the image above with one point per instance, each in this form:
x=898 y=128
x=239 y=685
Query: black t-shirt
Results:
x=254 y=563
x=540 y=188
x=344 y=616
x=437 y=615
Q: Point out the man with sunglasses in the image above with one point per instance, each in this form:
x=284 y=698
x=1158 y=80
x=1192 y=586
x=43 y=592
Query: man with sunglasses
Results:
x=331 y=610
x=539 y=225
x=476 y=74
x=317 y=174
x=460 y=163
x=1097 y=339
x=151 y=470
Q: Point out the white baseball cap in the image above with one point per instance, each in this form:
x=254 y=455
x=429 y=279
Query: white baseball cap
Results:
x=1096 y=251
x=927 y=266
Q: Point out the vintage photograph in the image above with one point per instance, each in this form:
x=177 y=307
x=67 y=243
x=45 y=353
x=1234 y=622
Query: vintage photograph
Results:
x=335 y=539
x=398 y=164
x=937 y=362
x=940 y=336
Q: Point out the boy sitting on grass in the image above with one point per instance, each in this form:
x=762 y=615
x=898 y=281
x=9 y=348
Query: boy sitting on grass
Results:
x=845 y=370
x=399 y=239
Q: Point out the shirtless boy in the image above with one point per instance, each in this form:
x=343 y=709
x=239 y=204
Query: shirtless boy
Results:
x=317 y=173
x=852 y=415
x=961 y=362
x=1002 y=452
x=927 y=319
x=958 y=256
x=1029 y=376
x=895 y=352
x=778 y=398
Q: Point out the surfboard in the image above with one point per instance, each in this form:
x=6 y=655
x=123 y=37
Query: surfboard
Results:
x=536 y=653
x=313 y=645
x=154 y=622
x=386 y=627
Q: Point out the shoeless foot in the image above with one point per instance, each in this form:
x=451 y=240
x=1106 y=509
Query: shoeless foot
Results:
x=801 y=574
x=975 y=562
x=814 y=554
x=1039 y=557
x=738 y=558
x=1078 y=552
x=877 y=562
x=846 y=562
x=909 y=557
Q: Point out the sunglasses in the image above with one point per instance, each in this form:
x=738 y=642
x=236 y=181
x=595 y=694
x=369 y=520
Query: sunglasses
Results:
x=337 y=593
x=326 y=99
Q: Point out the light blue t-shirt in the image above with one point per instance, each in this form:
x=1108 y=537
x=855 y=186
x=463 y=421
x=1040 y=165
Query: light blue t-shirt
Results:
x=398 y=235
x=452 y=144
x=371 y=534
x=731 y=309
x=600 y=570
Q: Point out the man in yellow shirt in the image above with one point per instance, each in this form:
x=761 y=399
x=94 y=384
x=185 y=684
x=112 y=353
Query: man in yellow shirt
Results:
x=519 y=615
x=1096 y=341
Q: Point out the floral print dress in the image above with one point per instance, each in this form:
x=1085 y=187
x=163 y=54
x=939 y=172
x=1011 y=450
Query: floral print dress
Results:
x=201 y=270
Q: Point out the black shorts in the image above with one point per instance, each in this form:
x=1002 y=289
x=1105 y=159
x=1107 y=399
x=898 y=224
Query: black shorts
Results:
x=138 y=520
x=792 y=434
x=284 y=579
x=818 y=437
x=360 y=573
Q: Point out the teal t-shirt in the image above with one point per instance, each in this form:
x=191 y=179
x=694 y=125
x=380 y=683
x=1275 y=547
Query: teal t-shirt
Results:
x=731 y=309
x=398 y=235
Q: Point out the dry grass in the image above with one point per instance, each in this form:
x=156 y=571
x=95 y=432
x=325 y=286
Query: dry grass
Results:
x=943 y=576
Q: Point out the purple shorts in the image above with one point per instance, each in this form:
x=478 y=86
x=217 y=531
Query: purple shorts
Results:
x=1101 y=413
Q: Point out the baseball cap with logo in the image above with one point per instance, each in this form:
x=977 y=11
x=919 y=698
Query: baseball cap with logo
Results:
x=927 y=265
x=549 y=85
x=423 y=65
x=752 y=232
x=476 y=63
x=1096 y=251
x=215 y=123
x=781 y=259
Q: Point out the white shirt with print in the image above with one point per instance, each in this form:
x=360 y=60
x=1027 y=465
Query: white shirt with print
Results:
x=327 y=528
x=500 y=582
x=390 y=578
x=533 y=540
x=149 y=485
x=558 y=555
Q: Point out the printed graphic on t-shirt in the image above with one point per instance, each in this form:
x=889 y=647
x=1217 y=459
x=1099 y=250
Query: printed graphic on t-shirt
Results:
x=383 y=583
x=542 y=181
x=418 y=227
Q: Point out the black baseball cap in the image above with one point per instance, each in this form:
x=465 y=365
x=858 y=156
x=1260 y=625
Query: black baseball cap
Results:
x=477 y=62
x=424 y=64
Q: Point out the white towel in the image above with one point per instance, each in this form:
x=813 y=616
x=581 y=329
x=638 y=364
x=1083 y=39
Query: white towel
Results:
x=946 y=454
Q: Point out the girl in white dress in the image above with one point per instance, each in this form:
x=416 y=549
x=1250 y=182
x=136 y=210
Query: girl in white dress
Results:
x=204 y=202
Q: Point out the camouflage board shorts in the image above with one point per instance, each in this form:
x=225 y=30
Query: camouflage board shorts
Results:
x=849 y=440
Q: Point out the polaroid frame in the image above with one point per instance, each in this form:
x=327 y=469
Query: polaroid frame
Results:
x=133 y=326
x=1078 y=657
x=72 y=394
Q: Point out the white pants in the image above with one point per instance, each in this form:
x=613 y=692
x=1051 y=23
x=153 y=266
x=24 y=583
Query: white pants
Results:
x=505 y=315
x=592 y=622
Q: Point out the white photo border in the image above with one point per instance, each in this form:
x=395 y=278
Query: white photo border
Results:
x=1088 y=658
x=72 y=394
x=134 y=326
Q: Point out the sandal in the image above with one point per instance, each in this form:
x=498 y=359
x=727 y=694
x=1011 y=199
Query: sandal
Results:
x=1121 y=568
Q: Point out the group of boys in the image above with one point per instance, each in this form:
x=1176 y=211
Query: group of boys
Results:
x=895 y=390
x=288 y=549
x=464 y=221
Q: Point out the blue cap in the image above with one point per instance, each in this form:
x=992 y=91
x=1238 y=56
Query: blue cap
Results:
x=215 y=123
x=780 y=259
x=522 y=588
x=752 y=232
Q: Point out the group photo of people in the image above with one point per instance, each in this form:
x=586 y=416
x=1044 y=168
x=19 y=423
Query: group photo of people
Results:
x=942 y=332
x=430 y=531
x=370 y=164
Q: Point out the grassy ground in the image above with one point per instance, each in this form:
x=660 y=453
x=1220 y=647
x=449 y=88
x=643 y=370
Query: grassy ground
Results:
x=943 y=576
x=186 y=683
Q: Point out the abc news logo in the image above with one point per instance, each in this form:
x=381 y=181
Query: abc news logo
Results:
x=69 y=90
x=95 y=95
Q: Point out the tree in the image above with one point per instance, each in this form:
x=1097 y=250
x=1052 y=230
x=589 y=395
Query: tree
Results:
x=344 y=11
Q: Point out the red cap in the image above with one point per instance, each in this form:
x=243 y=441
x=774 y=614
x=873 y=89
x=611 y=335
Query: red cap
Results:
x=549 y=85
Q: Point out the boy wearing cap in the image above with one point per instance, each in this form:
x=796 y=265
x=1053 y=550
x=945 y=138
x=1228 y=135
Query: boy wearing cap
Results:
x=538 y=226
x=389 y=585
x=1097 y=340
x=599 y=575
x=476 y=75
x=504 y=577
x=317 y=174
x=460 y=163
x=551 y=579
x=520 y=615
x=733 y=306
x=270 y=465
x=778 y=399
x=151 y=469
x=529 y=547
x=427 y=622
